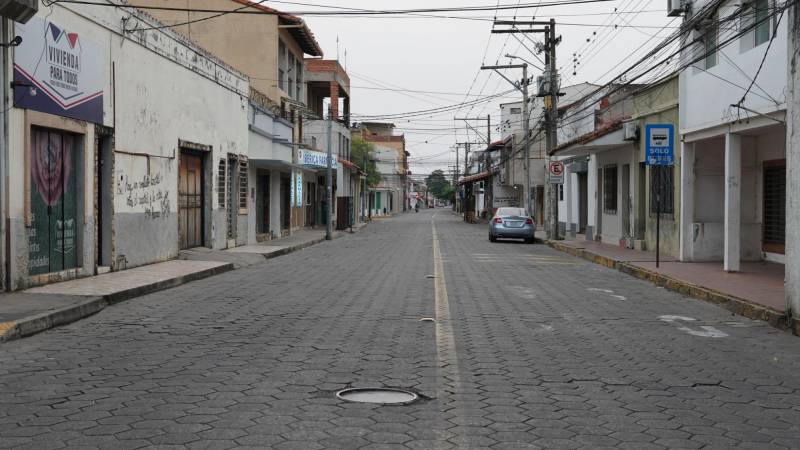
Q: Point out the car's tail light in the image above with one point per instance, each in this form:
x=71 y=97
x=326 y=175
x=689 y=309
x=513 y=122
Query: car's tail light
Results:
x=498 y=220
x=529 y=221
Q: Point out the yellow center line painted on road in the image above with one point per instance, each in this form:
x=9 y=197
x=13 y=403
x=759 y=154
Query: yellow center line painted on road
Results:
x=449 y=381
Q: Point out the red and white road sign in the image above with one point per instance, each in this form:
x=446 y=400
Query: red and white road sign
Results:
x=556 y=168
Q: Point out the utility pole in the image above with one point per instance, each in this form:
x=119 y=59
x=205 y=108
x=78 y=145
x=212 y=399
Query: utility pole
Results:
x=548 y=28
x=522 y=87
x=552 y=121
x=329 y=179
x=792 y=170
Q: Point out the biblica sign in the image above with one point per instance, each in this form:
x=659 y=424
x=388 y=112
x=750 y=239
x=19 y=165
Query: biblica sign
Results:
x=311 y=158
x=58 y=71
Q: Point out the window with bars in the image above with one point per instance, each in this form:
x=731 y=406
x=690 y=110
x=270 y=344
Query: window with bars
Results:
x=243 y=185
x=221 y=183
x=662 y=179
x=774 y=226
x=610 y=189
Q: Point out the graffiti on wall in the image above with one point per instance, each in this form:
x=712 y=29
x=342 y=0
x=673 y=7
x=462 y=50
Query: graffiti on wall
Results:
x=145 y=194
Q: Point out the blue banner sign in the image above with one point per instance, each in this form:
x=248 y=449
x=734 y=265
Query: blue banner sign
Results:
x=660 y=144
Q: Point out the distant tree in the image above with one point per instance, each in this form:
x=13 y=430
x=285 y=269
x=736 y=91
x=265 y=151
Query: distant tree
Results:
x=361 y=154
x=439 y=186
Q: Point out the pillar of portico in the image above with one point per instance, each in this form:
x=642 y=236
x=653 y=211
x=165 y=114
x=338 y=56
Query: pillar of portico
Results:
x=687 y=200
x=733 y=197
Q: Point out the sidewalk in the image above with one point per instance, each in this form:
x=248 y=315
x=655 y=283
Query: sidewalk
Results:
x=756 y=292
x=37 y=309
x=247 y=255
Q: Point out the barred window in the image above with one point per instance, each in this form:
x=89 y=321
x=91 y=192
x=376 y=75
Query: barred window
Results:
x=222 y=180
x=610 y=190
x=242 y=185
x=662 y=179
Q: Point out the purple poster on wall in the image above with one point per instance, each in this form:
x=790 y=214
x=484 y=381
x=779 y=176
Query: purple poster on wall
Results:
x=58 y=71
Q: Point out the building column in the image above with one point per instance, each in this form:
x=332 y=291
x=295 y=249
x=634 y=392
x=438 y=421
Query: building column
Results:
x=334 y=100
x=687 y=201
x=733 y=203
x=792 y=174
x=568 y=203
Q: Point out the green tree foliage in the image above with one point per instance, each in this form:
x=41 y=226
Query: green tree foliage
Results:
x=360 y=151
x=439 y=186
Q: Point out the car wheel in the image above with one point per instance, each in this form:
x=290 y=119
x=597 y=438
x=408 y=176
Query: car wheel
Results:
x=529 y=240
x=492 y=238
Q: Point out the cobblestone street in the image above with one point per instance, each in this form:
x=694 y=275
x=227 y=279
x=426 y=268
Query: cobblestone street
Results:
x=529 y=348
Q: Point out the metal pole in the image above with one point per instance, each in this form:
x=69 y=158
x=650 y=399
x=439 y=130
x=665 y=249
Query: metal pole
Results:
x=525 y=132
x=658 y=213
x=466 y=167
x=329 y=178
x=457 y=199
x=489 y=129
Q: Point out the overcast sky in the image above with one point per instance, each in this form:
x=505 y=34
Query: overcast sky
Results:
x=443 y=55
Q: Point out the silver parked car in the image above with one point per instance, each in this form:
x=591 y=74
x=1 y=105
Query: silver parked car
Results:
x=512 y=223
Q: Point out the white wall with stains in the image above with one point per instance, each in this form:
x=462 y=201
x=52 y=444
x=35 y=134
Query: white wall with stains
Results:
x=160 y=89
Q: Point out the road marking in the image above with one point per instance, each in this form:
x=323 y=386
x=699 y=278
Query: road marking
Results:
x=706 y=331
x=449 y=381
x=609 y=292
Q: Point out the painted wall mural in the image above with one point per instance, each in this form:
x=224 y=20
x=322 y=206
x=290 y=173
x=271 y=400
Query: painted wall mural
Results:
x=54 y=172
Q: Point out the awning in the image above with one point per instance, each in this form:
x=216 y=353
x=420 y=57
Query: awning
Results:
x=274 y=164
x=608 y=137
x=475 y=177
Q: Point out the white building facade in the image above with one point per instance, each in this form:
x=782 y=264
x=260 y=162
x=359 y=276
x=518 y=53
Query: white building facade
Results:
x=733 y=173
x=111 y=166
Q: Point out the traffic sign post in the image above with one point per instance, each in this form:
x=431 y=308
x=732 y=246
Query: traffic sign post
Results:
x=556 y=172
x=659 y=151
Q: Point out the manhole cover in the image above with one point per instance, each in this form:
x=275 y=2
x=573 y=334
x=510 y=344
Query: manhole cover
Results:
x=384 y=396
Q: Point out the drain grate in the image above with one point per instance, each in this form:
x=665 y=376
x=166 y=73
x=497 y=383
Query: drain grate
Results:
x=382 y=396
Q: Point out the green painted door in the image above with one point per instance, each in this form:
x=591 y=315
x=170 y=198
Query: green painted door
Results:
x=378 y=201
x=54 y=172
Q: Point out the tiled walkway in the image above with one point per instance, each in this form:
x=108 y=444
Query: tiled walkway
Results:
x=757 y=282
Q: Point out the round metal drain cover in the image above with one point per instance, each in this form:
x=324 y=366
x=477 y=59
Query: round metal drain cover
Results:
x=383 y=396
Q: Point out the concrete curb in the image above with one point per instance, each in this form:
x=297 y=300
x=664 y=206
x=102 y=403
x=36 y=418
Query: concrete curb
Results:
x=50 y=319
x=92 y=305
x=293 y=248
x=729 y=302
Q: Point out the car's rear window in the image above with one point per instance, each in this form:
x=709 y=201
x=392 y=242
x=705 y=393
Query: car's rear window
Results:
x=511 y=212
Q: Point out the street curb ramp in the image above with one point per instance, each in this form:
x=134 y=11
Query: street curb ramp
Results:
x=92 y=305
x=729 y=302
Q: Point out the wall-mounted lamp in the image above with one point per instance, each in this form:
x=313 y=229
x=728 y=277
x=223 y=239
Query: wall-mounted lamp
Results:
x=14 y=42
x=31 y=88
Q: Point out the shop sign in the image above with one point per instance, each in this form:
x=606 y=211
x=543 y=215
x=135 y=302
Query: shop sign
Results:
x=59 y=71
x=299 y=189
x=311 y=158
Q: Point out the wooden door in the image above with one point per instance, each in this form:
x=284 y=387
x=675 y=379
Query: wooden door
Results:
x=190 y=200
